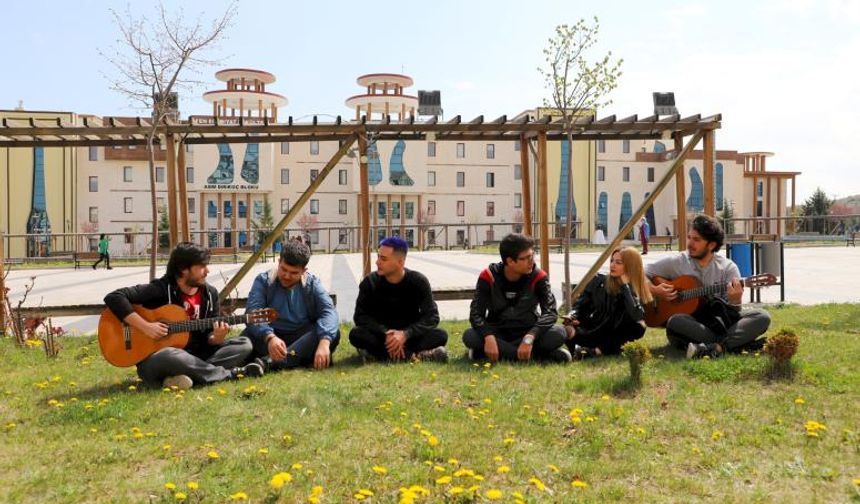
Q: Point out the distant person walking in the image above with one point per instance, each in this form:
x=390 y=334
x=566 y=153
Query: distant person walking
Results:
x=104 y=253
x=644 y=233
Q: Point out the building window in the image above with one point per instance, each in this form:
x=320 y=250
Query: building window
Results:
x=189 y=174
x=625 y=174
x=243 y=210
x=461 y=208
x=601 y=173
x=94 y=215
x=601 y=146
x=395 y=210
x=342 y=177
x=315 y=206
x=285 y=206
x=603 y=212
x=461 y=237
x=129 y=237
x=285 y=175
x=626 y=210
x=625 y=146
x=94 y=153
x=315 y=147
x=696 y=201
x=650 y=174
x=314 y=175
x=342 y=236
x=431 y=178
x=410 y=210
x=382 y=211
x=491 y=179
x=315 y=237
x=431 y=237
x=518 y=200
x=228 y=209
x=285 y=147
x=518 y=171
x=341 y=207
x=491 y=151
x=191 y=204
x=94 y=184
x=431 y=149
x=491 y=209
x=431 y=207
x=128 y=205
x=461 y=179
x=127 y=172
x=461 y=150
x=491 y=236
x=516 y=146
x=211 y=209
x=159 y=174
x=718 y=185
x=159 y=204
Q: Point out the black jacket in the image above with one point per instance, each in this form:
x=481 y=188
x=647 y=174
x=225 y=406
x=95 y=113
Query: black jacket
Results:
x=160 y=292
x=533 y=310
x=597 y=307
x=407 y=306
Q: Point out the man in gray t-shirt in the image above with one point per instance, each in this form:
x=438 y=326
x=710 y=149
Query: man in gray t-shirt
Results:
x=704 y=240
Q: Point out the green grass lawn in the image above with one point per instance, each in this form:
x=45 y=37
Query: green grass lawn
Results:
x=75 y=429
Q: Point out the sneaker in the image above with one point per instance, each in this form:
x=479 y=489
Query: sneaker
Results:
x=438 y=354
x=94 y=266
x=560 y=354
x=471 y=354
x=253 y=369
x=702 y=350
x=109 y=267
x=582 y=353
x=178 y=382
x=366 y=356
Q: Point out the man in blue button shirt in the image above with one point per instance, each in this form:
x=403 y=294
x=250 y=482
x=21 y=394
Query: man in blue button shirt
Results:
x=307 y=331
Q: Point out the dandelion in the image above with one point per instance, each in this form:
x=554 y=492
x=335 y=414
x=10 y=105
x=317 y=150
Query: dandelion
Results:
x=508 y=441
x=812 y=428
x=432 y=441
x=503 y=469
x=379 y=469
x=716 y=435
x=263 y=451
x=799 y=401
x=493 y=494
x=439 y=468
x=453 y=462
x=362 y=494
x=192 y=485
x=213 y=455
x=604 y=397
x=314 y=497
x=279 y=480
x=578 y=483
x=170 y=486
x=239 y=496
x=180 y=496
x=133 y=388
x=537 y=483
x=456 y=490
x=166 y=447
x=553 y=468
x=296 y=466
x=856 y=481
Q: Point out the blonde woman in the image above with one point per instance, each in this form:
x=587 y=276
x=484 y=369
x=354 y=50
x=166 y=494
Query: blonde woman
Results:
x=609 y=312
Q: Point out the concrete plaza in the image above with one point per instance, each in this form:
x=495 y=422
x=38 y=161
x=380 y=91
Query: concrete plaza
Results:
x=812 y=275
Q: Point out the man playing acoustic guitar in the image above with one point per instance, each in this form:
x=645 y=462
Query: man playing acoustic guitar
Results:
x=208 y=357
x=718 y=325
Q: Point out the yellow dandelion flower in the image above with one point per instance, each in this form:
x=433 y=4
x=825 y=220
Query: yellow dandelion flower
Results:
x=456 y=490
x=170 y=486
x=553 y=468
x=444 y=480
x=799 y=400
x=537 y=483
x=192 y=485
x=508 y=441
x=180 y=496
x=317 y=490
x=433 y=441
x=503 y=469
x=213 y=455
x=517 y=495
x=239 y=496
x=366 y=492
x=577 y=483
x=439 y=468
x=856 y=481
x=279 y=480
x=296 y=466
x=497 y=458
x=379 y=469
x=493 y=494
x=604 y=397
x=166 y=447
x=263 y=451
x=453 y=461
x=716 y=435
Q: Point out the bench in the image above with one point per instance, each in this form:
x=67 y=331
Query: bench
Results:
x=664 y=240
x=225 y=252
x=85 y=257
x=849 y=239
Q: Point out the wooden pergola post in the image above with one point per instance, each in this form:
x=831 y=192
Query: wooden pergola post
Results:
x=543 y=211
x=526 y=184
x=171 y=188
x=2 y=286
x=184 y=225
x=285 y=221
x=708 y=169
x=364 y=204
x=634 y=219
x=680 y=195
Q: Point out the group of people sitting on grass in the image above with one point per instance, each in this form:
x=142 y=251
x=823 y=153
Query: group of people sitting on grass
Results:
x=513 y=313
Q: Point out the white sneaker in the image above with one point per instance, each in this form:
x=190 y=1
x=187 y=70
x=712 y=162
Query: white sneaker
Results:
x=180 y=382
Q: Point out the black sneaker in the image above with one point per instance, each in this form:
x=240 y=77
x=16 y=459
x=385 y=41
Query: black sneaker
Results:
x=582 y=353
x=752 y=346
x=702 y=350
x=438 y=354
x=560 y=354
x=253 y=369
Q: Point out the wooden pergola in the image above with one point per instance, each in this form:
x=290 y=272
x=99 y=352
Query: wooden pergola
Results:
x=530 y=133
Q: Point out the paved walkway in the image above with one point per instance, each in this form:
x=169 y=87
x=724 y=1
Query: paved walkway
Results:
x=813 y=275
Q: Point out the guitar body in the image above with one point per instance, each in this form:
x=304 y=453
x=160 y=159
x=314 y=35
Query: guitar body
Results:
x=124 y=346
x=657 y=312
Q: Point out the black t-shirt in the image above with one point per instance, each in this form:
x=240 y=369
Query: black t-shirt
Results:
x=396 y=306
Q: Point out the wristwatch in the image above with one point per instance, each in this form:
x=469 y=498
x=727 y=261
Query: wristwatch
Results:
x=529 y=339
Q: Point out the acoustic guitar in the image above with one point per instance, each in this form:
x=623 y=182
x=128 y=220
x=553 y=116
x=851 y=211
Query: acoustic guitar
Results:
x=690 y=294
x=124 y=346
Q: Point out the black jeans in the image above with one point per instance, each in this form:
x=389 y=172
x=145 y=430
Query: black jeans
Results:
x=175 y=361
x=508 y=342
x=607 y=338
x=103 y=257
x=301 y=349
x=682 y=329
x=374 y=341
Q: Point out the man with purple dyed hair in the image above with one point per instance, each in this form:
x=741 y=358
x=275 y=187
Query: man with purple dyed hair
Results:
x=395 y=317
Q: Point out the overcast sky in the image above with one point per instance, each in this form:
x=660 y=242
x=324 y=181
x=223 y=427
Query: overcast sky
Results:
x=783 y=73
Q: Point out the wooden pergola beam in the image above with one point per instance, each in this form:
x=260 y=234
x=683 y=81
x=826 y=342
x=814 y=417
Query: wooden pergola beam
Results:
x=680 y=195
x=543 y=210
x=526 y=186
x=171 y=189
x=364 y=205
x=285 y=221
x=708 y=172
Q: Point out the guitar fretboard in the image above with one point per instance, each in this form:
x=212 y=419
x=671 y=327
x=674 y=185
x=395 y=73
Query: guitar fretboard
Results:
x=203 y=324
x=704 y=291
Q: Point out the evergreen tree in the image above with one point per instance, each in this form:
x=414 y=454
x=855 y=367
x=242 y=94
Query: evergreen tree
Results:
x=817 y=206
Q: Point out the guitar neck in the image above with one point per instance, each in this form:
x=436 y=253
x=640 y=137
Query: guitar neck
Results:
x=704 y=291
x=203 y=324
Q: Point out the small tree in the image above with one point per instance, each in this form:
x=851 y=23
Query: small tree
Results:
x=817 y=206
x=725 y=216
x=151 y=60
x=576 y=86
x=266 y=222
x=163 y=228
